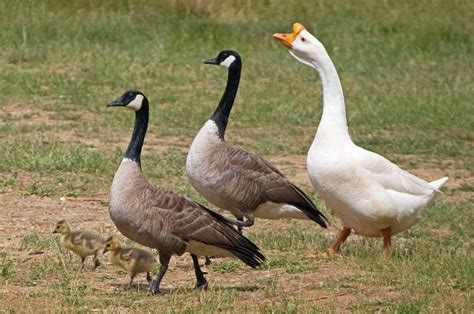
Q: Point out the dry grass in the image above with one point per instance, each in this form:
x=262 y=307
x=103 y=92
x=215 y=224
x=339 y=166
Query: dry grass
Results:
x=407 y=72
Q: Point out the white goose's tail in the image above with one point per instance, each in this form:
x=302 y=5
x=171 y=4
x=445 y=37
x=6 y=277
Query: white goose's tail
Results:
x=437 y=184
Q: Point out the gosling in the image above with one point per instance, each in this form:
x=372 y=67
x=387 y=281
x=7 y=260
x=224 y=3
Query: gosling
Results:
x=82 y=243
x=132 y=260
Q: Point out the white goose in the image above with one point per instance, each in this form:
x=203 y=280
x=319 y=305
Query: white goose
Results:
x=370 y=194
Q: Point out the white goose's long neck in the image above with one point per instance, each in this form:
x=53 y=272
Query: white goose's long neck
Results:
x=333 y=120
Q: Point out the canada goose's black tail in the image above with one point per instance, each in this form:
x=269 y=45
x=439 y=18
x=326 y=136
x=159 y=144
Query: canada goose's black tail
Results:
x=229 y=239
x=246 y=251
x=307 y=206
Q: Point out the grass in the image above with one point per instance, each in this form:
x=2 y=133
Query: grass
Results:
x=407 y=74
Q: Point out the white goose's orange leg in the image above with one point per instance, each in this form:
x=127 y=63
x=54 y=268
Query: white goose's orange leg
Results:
x=334 y=249
x=387 y=241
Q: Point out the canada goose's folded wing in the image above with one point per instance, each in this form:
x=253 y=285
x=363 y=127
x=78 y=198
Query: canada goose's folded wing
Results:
x=182 y=220
x=197 y=224
x=248 y=175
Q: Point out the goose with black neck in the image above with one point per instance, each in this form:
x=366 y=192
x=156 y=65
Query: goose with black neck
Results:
x=158 y=218
x=235 y=179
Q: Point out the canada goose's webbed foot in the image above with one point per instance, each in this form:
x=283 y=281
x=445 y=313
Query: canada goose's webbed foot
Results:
x=201 y=282
x=207 y=261
x=155 y=284
x=154 y=287
x=240 y=223
x=202 y=285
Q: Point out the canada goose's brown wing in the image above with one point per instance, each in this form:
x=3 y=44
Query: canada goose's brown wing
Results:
x=183 y=221
x=198 y=223
x=252 y=181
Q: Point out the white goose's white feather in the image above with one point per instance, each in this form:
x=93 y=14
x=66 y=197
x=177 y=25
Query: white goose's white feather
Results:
x=366 y=191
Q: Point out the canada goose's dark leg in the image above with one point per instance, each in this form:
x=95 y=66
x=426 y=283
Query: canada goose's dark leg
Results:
x=201 y=282
x=148 y=277
x=207 y=261
x=155 y=284
x=83 y=262
x=96 y=259
x=131 y=281
x=240 y=227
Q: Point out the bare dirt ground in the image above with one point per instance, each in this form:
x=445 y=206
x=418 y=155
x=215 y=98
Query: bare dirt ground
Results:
x=330 y=284
x=37 y=215
x=22 y=214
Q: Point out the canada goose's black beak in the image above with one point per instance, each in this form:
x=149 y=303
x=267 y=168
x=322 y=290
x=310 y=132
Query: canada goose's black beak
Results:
x=117 y=102
x=211 y=61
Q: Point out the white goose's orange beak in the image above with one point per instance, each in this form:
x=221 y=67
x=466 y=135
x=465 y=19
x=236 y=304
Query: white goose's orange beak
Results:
x=288 y=39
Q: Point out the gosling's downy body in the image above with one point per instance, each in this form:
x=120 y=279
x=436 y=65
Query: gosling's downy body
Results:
x=81 y=243
x=370 y=194
x=237 y=180
x=158 y=218
x=132 y=260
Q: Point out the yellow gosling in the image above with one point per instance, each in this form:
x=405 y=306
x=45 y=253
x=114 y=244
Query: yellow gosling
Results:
x=132 y=260
x=81 y=243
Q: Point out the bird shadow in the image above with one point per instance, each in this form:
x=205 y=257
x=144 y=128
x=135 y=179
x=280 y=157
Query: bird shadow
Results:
x=143 y=288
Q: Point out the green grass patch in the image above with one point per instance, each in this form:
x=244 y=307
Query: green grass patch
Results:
x=225 y=267
x=407 y=73
x=35 y=241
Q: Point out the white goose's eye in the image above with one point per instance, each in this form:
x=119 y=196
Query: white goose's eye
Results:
x=303 y=39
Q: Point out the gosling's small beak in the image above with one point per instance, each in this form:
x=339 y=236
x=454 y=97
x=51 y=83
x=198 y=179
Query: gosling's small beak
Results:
x=211 y=61
x=54 y=231
x=288 y=39
x=105 y=251
x=117 y=102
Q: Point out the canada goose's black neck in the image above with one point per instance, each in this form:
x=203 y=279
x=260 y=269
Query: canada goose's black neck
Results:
x=221 y=115
x=134 y=149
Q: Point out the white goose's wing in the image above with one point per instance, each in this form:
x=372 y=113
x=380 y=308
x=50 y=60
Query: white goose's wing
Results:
x=390 y=176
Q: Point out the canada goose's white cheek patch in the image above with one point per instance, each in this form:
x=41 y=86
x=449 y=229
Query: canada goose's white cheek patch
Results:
x=136 y=104
x=227 y=62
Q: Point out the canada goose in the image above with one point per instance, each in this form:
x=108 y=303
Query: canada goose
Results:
x=237 y=180
x=132 y=260
x=158 y=218
x=81 y=243
x=370 y=194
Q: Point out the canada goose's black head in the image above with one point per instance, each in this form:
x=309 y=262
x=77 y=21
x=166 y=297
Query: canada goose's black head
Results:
x=62 y=227
x=226 y=58
x=132 y=99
